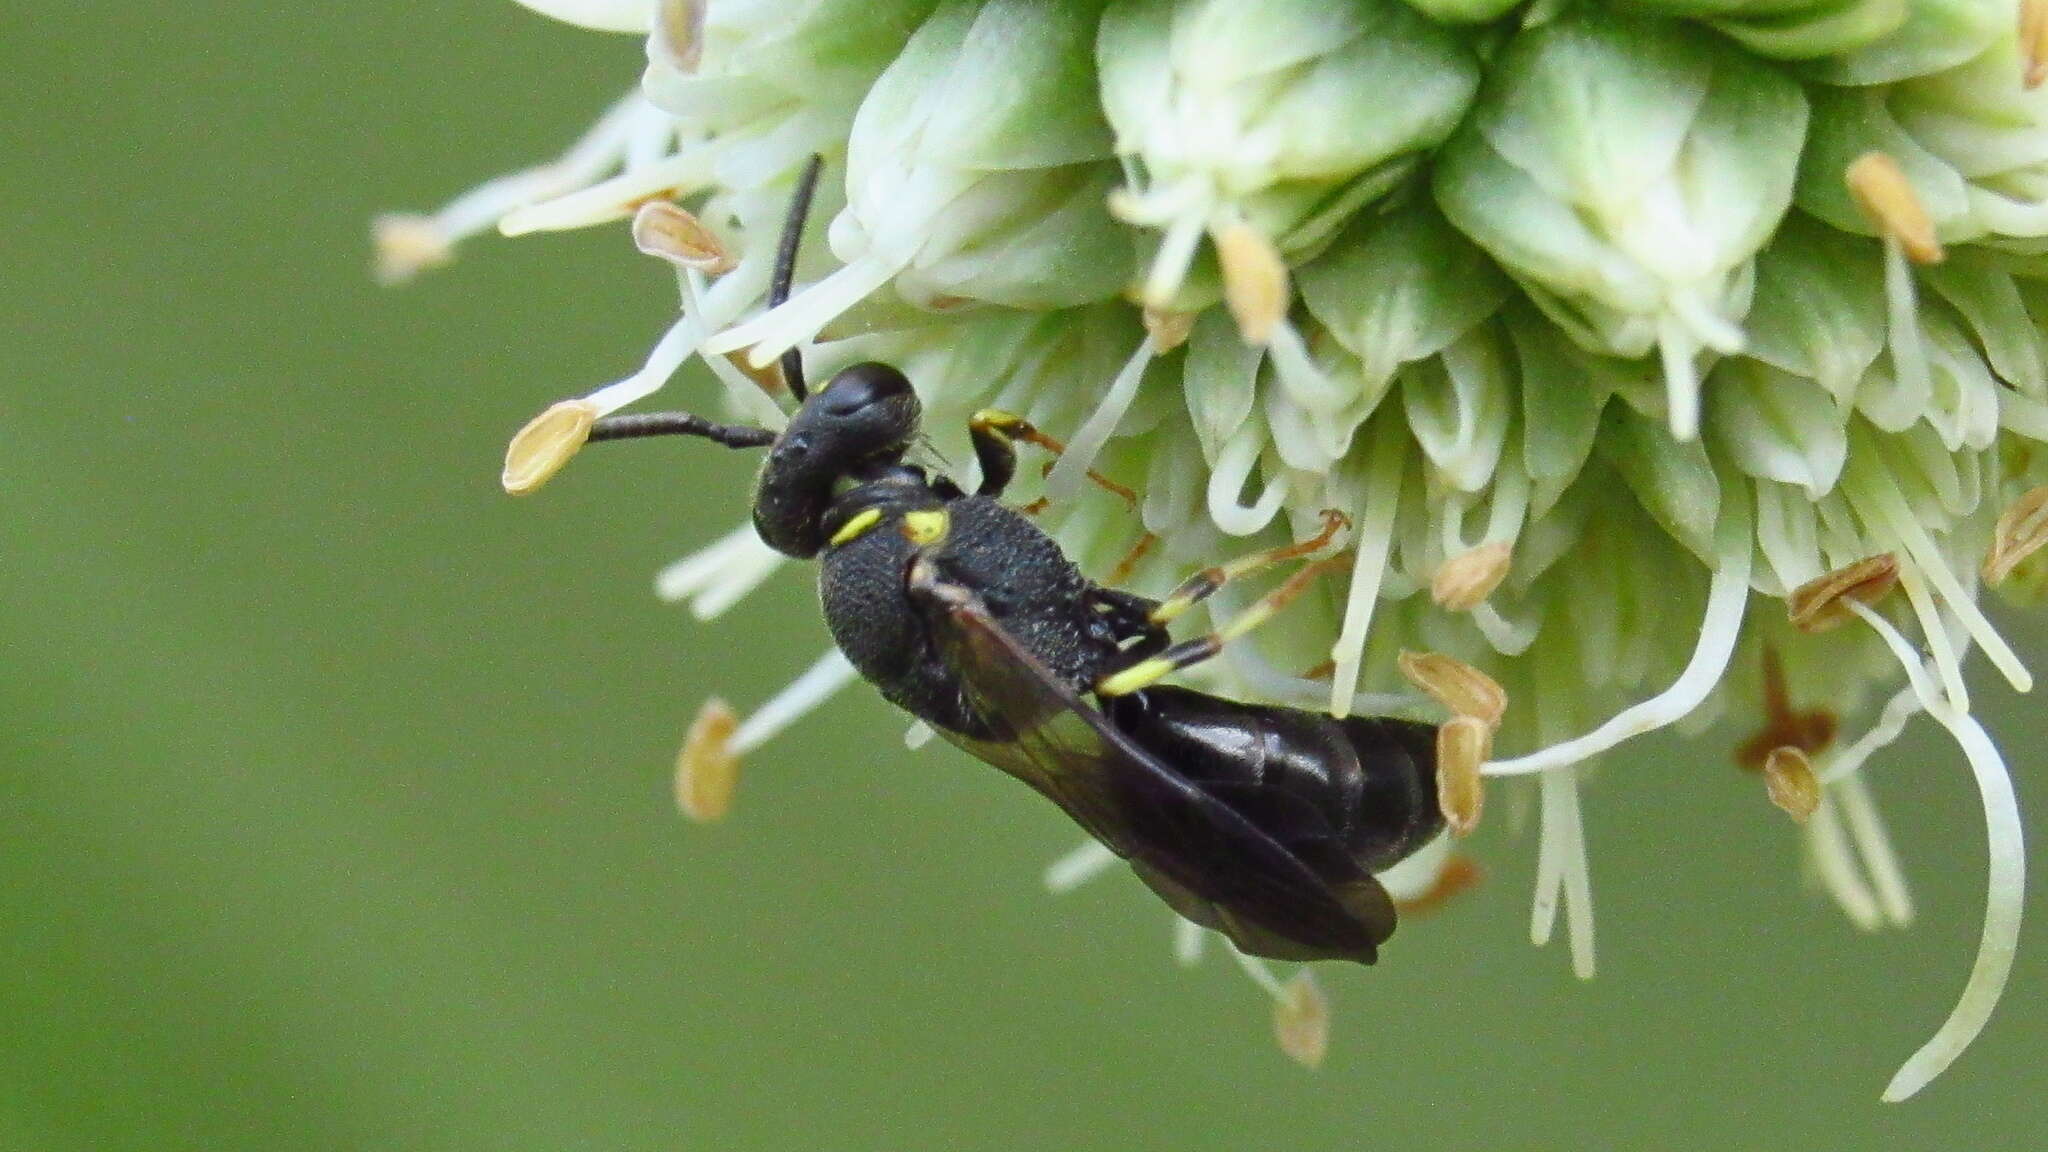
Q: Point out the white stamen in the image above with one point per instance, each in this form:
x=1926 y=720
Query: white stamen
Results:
x=1506 y=637
x=1578 y=881
x=1381 y=499
x=1902 y=311
x=1078 y=867
x=2024 y=415
x=803 y=315
x=1071 y=469
x=2005 y=877
x=1681 y=377
x=1176 y=254
x=1835 y=866
x=827 y=675
x=746 y=395
x=675 y=346
x=609 y=200
x=1898 y=515
x=1874 y=845
x=600 y=149
x=715 y=577
x=1414 y=877
x=1720 y=627
x=1188 y=939
x=1304 y=380
x=1947 y=661
x=1226 y=481
x=602 y=15
x=1900 y=708
x=918 y=735
x=1550 y=854
x=1261 y=974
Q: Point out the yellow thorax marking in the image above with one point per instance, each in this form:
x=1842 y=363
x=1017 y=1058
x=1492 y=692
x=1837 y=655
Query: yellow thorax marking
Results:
x=857 y=527
x=924 y=528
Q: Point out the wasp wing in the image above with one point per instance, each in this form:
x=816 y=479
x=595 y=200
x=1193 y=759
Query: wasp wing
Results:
x=1202 y=856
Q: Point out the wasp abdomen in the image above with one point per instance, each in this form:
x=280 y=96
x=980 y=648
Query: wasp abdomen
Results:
x=1362 y=787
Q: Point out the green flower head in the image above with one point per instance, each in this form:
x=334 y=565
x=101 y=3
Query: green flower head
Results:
x=1668 y=361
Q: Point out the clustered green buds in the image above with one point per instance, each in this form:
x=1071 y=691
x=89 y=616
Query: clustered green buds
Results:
x=1669 y=360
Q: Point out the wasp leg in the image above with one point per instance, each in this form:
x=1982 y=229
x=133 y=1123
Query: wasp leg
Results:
x=1149 y=670
x=784 y=275
x=1204 y=584
x=995 y=434
x=1129 y=619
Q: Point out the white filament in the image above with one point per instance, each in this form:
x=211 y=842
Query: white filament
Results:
x=1828 y=849
x=1188 y=938
x=1078 y=867
x=1874 y=845
x=1381 y=499
x=1720 y=627
x=716 y=577
x=2005 y=877
x=803 y=315
x=827 y=675
x=1071 y=469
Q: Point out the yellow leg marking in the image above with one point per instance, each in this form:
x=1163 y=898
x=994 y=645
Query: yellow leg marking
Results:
x=1011 y=426
x=857 y=527
x=924 y=528
x=1187 y=653
x=1143 y=674
x=1204 y=584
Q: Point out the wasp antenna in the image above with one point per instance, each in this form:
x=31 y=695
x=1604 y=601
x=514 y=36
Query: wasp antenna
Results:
x=785 y=266
x=642 y=424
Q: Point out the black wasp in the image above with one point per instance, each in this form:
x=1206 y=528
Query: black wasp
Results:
x=1263 y=823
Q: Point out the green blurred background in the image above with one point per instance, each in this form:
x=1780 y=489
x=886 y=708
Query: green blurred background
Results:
x=333 y=796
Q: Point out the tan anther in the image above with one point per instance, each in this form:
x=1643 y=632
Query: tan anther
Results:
x=1301 y=1020
x=1816 y=606
x=1886 y=198
x=1462 y=689
x=1460 y=874
x=548 y=441
x=1254 y=280
x=1462 y=746
x=2033 y=42
x=1169 y=330
x=1464 y=581
x=707 y=772
x=663 y=229
x=408 y=244
x=678 y=34
x=2022 y=529
x=1790 y=782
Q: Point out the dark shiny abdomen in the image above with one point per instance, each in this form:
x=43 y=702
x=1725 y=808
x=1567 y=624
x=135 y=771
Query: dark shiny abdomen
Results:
x=1340 y=793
